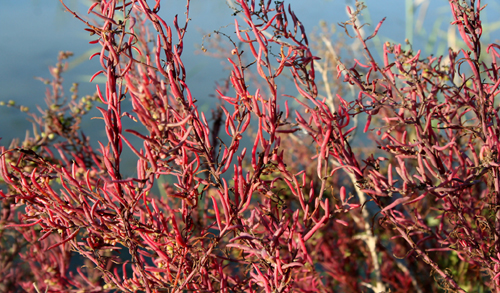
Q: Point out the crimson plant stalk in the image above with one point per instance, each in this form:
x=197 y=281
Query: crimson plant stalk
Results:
x=243 y=211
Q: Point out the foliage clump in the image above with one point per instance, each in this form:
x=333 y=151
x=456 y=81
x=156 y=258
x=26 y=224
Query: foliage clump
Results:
x=270 y=193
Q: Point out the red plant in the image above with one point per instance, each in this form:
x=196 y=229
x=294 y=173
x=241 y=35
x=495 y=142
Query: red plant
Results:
x=247 y=212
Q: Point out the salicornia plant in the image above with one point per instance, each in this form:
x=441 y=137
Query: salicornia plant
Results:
x=273 y=192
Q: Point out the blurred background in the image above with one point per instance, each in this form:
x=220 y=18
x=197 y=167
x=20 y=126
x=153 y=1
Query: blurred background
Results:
x=34 y=31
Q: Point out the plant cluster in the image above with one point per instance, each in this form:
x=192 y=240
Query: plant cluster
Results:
x=272 y=193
